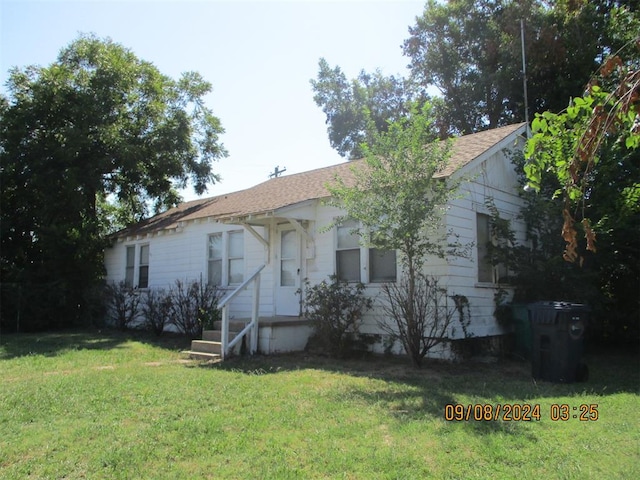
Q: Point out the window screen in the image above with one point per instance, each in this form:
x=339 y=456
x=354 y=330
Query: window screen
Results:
x=215 y=259
x=382 y=265
x=485 y=269
x=129 y=267
x=236 y=257
x=348 y=253
x=143 y=269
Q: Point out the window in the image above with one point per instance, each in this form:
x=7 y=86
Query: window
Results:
x=236 y=257
x=143 y=269
x=288 y=258
x=215 y=259
x=226 y=258
x=141 y=261
x=348 y=253
x=380 y=265
x=130 y=266
x=487 y=272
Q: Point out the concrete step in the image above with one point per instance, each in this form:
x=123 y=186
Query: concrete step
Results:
x=203 y=356
x=216 y=335
x=234 y=325
x=206 y=346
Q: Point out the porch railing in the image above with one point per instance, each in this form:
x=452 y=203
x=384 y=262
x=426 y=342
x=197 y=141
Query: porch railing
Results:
x=252 y=327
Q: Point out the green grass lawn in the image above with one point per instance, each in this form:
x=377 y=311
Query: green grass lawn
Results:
x=109 y=405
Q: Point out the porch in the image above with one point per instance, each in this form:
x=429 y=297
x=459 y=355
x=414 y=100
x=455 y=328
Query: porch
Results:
x=276 y=334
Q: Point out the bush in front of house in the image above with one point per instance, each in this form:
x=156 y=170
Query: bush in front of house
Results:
x=335 y=309
x=194 y=306
x=422 y=314
x=122 y=305
x=156 y=310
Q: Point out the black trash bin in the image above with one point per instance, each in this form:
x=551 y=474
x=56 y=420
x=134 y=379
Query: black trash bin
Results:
x=522 y=330
x=558 y=338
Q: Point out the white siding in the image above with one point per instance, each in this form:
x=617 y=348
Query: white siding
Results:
x=493 y=178
x=183 y=254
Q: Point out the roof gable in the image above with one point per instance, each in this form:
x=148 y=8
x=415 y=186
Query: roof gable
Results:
x=285 y=191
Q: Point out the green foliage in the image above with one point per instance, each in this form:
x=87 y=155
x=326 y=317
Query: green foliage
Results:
x=536 y=268
x=194 y=307
x=335 y=309
x=571 y=145
x=155 y=309
x=399 y=198
x=590 y=154
x=87 y=144
x=422 y=313
x=471 y=51
x=30 y=306
x=557 y=144
x=122 y=305
x=607 y=281
x=359 y=108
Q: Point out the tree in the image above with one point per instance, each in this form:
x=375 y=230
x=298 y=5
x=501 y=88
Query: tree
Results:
x=472 y=52
x=92 y=139
x=591 y=152
x=359 y=108
x=570 y=144
x=398 y=201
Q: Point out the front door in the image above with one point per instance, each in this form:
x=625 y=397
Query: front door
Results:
x=288 y=273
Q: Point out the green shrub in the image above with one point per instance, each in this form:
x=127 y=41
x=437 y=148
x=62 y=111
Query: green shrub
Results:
x=422 y=314
x=122 y=305
x=194 y=306
x=335 y=309
x=156 y=310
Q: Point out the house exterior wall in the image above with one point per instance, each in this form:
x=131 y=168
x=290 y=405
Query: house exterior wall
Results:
x=182 y=254
x=495 y=179
x=492 y=178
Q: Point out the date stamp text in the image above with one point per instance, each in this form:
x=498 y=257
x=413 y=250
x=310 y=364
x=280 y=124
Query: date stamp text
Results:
x=519 y=412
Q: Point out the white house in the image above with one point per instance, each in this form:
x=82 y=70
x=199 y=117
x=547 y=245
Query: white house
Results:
x=280 y=227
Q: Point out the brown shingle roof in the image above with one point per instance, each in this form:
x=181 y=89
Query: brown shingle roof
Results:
x=292 y=189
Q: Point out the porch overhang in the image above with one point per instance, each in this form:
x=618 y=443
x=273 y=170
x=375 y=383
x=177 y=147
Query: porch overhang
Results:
x=298 y=216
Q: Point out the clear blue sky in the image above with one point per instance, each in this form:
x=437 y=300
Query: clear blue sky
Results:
x=259 y=57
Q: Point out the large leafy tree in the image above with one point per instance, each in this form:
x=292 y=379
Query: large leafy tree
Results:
x=88 y=144
x=357 y=109
x=471 y=51
x=591 y=152
x=398 y=200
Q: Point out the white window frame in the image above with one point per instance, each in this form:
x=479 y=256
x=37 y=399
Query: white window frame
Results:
x=129 y=266
x=132 y=271
x=227 y=259
x=350 y=248
x=364 y=260
x=142 y=265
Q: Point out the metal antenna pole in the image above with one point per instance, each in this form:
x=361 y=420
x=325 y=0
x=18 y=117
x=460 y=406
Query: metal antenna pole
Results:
x=524 y=74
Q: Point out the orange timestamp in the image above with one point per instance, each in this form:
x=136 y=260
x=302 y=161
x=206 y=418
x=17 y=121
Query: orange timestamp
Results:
x=518 y=412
